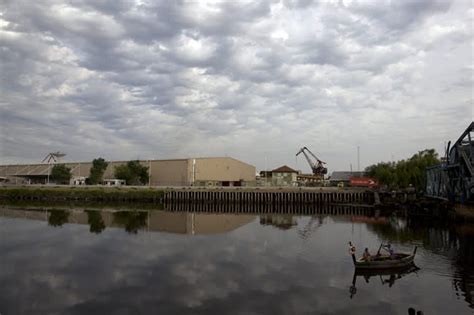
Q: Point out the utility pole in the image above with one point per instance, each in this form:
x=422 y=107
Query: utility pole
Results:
x=49 y=171
x=266 y=173
x=149 y=173
x=358 y=159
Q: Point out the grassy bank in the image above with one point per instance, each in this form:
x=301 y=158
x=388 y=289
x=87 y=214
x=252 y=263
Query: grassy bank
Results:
x=87 y=194
x=80 y=205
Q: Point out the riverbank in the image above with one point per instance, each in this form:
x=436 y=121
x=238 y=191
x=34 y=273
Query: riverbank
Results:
x=247 y=199
x=464 y=212
x=242 y=195
x=81 y=194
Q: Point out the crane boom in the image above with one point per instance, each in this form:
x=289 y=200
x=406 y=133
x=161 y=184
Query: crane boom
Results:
x=318 y=166
x=307 y=157
x=53 y=156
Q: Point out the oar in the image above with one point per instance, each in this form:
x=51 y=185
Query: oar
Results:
x=380 y=247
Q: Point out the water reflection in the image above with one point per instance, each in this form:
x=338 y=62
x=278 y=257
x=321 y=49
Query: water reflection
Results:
x=95 y=220
x=58 y=217
x=382 y=277
x=283 y=222
x=135 y=221
x=132 y=221
x=268 y=208
x=247 y=263
x=455 y=242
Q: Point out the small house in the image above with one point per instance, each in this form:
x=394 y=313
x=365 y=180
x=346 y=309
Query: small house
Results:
x=284 y=176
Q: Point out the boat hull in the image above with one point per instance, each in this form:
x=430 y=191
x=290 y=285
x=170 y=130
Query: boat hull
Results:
x=402 y=260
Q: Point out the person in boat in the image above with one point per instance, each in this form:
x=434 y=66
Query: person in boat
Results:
x=366 y=255
x=352 y=249
x=389 y=249
x=391 y=252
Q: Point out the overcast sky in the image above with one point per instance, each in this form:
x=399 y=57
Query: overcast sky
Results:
x=251 y=80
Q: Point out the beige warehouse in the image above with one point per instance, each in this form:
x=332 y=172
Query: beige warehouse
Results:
x=207 y=171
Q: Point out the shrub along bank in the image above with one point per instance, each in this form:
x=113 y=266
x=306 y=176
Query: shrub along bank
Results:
x=99 y=194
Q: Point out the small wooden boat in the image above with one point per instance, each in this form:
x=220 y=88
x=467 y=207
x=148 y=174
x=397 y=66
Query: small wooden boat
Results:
x=397 y=260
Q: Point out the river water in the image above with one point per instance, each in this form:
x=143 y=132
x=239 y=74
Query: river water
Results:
x=159 y=262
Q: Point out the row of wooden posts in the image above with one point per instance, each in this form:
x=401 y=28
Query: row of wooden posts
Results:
x=272 y=197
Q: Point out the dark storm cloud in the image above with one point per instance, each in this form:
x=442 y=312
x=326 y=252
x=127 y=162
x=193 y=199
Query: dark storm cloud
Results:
x=132 y=76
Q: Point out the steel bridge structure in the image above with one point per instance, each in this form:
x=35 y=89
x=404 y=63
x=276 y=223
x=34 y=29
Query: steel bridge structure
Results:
x=453 y=179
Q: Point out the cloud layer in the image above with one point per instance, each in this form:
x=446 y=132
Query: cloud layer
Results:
x=256 y=81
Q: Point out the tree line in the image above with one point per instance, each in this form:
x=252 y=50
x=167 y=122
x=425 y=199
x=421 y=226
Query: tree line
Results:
x=404 y=173
x=132 y=172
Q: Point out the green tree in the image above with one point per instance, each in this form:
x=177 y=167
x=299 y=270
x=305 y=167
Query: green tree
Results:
x=405 y=172
x=97 y=171
x=133 y=173
x=61 y=174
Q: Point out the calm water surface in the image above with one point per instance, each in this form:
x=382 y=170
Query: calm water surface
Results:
x=157 y=262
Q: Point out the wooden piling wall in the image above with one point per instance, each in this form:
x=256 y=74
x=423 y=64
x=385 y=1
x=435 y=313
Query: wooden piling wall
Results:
x=270 y=197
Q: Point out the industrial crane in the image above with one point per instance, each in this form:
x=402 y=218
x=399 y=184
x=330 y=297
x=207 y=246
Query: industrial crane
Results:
x=317 y=166
x=310 y=227
x=53 y=156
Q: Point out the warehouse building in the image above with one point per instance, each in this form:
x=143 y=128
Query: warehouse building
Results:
x=207 y=171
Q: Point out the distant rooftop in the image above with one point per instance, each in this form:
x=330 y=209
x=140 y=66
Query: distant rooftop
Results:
x=345 y=175
x=284 y=169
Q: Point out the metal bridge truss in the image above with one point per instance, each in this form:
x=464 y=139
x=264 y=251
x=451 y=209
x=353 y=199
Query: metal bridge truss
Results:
x=454 y=179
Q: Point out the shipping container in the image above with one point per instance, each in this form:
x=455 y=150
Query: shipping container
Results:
x=363 y=182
